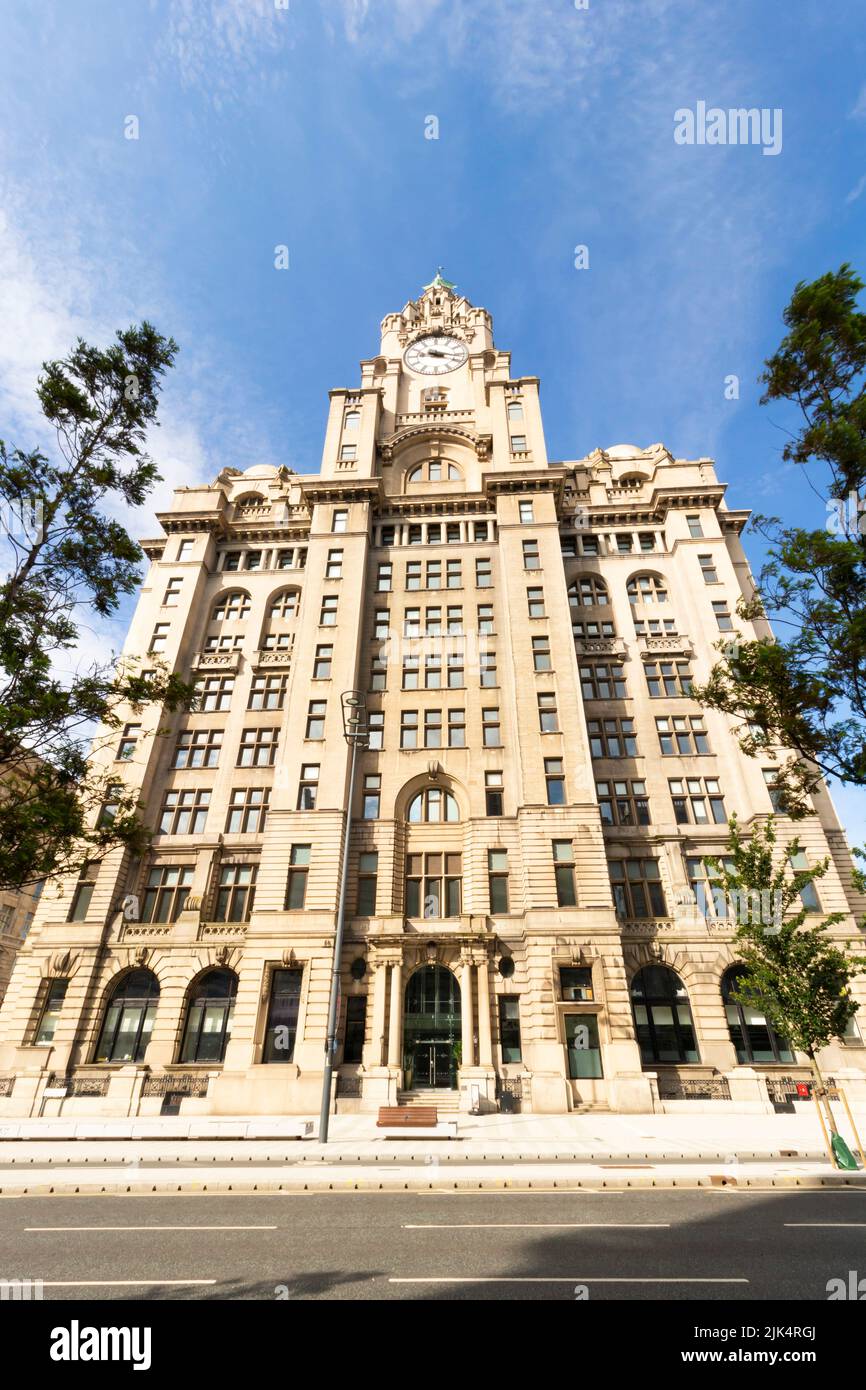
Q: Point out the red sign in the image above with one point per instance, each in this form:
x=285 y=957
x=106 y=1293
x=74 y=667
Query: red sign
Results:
x=803 y=1089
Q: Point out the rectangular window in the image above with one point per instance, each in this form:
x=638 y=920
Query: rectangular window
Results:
x=409 y=728
x=723 y=617
x=383 y=579
x=541 y=653
x=623 y=803
x=368 y=869
x=481 y=531
x=328 y=614
x=322 y=663
x=456 y=728
x=554 y=777
x=497 y=879
x=589 y=545
x=563 y=868
x=248 y=808
x=575 y=984
x=308 y=787
x=548 y=718
x=637 y=889
x=413 y=574
x=808 y=892
x=708 y=569
x=296 y=885
x=339 y=520
x=316 y=711
x=184 y=813
x=491 y=733
x=166 y=892
x=283 y=1009
x=518 y=444
x=682 y=735
x=159 y=639
x=48 y=1019
x=258 y=748
x=433 y=885
x=171 y=597
x=372 y=796
x=582 y=1046
x=484 y=573
x=185 y=549
x=356 y=1027
x=697 y=801
x=456 y=679
x=433 y=728
x=434 y=574
x=602 y=681
x=509 y=1028
x=433 y=672
x=671 y=678
x=232 y=560
x=198 y=748
x=694 y=525
x=452 y=533
x=624 y=542
x=83 y=891
x=535 y=603
x=126 y=747
x=485 y=619
x=454 y=574
x=348 y=453
x=493 y=793
x=375 y=730
x=267 y=692
x=612 y=738
x=527 y=515
x=771 y=778
x=487 y=670
x=531 y=558
x=382 y=624
x=378 y=673
x=646 y=540
x=253 y=560
x=213 y=693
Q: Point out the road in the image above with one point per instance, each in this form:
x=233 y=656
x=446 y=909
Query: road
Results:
x=723 y=1245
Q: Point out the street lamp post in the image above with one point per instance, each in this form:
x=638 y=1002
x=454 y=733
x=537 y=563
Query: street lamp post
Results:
x=356 y=735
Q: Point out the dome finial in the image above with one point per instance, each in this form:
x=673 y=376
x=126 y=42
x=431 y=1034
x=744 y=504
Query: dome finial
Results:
x=439 y=282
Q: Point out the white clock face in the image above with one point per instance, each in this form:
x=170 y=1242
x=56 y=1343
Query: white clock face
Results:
x=435 y=354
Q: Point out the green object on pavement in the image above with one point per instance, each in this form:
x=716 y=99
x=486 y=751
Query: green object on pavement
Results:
x=844 y=1156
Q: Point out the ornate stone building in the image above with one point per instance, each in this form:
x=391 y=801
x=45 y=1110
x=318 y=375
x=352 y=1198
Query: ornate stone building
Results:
x=530 y=920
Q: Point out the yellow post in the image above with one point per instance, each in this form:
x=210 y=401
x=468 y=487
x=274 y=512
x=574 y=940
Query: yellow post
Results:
x=824 y=1129
x=852 y=1124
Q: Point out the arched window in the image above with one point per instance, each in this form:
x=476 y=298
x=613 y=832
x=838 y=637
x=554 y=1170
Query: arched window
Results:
x=351 y=419
x=663 y=1016
x=282 y=611
x=753 y=1037
x=433 y=804
x=647 y=588
x=129 y=1017
x=251 y=499
x=231 y=606
x=436 y=471
x=588 y=591
x=631 y=480
x=209 y=1010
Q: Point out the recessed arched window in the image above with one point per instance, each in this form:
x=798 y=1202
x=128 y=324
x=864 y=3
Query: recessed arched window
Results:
x=647 y=588
x=433 y=804
x=129 y=1017
x=351 y=419
x=663 y=1016
x=209 y=1010
x=588 y=591
x=436 y=471
x=282 y=612
x=231 y=606
x=631 y=480
x=251 y=499
x=753 y=1037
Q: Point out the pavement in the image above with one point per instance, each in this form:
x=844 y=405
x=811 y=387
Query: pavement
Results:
x=726 y=1245
x=491 y=1152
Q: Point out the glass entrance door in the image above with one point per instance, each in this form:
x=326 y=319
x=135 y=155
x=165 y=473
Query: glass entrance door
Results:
x=431 y=1029
x=433 y=1065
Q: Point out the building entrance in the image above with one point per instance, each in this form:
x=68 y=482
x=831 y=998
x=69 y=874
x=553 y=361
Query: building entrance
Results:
x=431 y=1029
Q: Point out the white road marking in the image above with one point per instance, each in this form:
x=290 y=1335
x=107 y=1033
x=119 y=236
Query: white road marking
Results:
x=572 y=1279
x=545 y=1225
x=151 y=1228
x=119 y=1283
x=827 y=1225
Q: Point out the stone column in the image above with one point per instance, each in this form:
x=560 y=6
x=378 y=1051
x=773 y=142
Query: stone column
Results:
x=485 y=1043
x=395 y=1030
x=380 y=985
x=468 y=1028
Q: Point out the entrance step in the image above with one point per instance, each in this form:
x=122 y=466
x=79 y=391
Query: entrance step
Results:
x=445 y=1101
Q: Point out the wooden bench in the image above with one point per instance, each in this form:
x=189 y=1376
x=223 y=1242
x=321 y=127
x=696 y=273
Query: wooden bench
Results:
x=416 y=1122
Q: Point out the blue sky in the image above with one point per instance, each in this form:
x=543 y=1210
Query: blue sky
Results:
x=305 y=126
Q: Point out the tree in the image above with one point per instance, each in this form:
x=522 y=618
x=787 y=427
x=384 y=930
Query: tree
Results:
x=806 y=689
x=795 y=975
x=63 y=554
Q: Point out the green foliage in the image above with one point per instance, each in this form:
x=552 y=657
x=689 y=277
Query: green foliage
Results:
x=66 y=555
x=796 y=975
x=805 y=690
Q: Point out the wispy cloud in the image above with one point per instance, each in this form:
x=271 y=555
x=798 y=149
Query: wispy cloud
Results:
x=220 y=47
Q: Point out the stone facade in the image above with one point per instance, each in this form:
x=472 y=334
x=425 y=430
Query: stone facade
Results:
x=527 y=831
